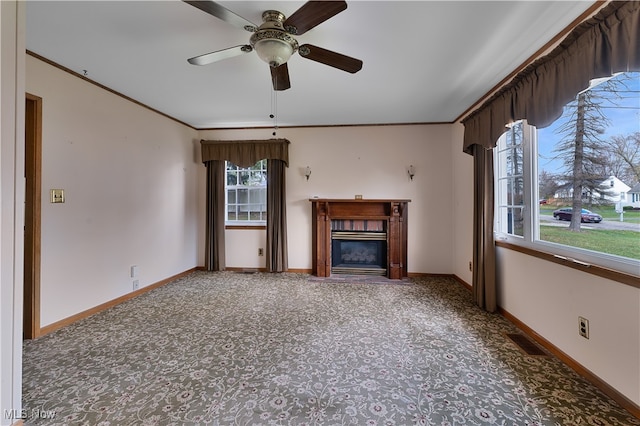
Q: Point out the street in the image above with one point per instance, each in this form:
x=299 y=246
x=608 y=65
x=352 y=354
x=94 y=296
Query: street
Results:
x=607 y=224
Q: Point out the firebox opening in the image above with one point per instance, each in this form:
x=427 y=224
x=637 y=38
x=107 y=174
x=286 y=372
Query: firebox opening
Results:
x=359 y=256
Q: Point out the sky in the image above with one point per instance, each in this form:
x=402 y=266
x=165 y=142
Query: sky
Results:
x=622 y=121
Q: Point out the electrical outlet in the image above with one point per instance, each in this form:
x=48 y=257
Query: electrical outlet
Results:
x=136 y=285
x=583 y=327
x=260 y=251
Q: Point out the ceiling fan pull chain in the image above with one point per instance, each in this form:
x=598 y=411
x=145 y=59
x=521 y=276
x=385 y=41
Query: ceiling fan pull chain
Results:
x=275 y=112
x=274 y=109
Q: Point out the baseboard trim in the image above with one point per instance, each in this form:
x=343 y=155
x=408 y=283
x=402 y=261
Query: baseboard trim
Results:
x=111 y=303
x=463 y=282
x=300 y=270
x=244 y=269
x=424 y=274
x=612 y=393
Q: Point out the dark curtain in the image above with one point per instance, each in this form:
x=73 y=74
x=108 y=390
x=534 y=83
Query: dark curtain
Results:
x=245 y=154
x=276 y=250
x=607 y=43
x=484 y=252
x=214 y=241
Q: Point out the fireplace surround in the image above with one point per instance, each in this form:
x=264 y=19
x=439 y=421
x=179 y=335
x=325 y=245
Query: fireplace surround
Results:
x=359 y=237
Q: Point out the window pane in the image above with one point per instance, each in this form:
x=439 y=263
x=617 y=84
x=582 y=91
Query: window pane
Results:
x=259 y=196
x=246 y=200
x=518 y=191
x=593 y=150
x=515 y=161
x=231 y=212
x=243 y=196
x=510 y=186
x=515 y=221
x=243 y=177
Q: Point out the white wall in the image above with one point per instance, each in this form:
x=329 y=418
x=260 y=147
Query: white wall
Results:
x=462 y=231
x=133 y=183
x=549 y=298
x=241 y=248
x=12 y=187
x=370 y=161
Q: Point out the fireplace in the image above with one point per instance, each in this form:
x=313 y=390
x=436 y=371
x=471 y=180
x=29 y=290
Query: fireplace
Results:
x=359 y=237
x=359 y=253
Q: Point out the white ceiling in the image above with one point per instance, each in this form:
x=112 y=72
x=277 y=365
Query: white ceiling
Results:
x=424 y=61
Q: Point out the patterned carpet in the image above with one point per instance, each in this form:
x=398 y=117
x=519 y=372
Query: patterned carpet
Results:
x=287 y=349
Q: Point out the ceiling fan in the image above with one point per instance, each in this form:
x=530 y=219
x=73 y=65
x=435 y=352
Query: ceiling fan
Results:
x=274 y=40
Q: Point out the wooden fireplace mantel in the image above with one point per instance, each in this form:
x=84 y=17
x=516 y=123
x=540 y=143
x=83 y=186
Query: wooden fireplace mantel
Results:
x=393 y=213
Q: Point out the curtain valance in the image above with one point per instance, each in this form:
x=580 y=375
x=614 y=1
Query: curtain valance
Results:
x=607 y=43
x=246 y=153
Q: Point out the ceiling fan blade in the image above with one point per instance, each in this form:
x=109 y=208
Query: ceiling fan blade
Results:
x=220 y=12
x=312 y=13
x=280 y=77
x=219 y=55
x=333 y=59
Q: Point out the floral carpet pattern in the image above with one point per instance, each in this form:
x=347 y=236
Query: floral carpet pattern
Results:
x=224 y=348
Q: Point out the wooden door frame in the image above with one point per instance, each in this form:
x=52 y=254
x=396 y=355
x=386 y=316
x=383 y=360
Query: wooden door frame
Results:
x=32 y=228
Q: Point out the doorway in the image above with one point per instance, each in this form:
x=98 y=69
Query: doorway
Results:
x=33 y=199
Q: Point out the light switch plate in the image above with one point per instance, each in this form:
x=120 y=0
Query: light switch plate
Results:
x=57 y=195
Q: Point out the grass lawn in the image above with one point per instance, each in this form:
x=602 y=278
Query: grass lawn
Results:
x=620 y=243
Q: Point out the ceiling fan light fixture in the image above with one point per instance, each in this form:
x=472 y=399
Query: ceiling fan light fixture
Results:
x=271 y=42
x=273 y=51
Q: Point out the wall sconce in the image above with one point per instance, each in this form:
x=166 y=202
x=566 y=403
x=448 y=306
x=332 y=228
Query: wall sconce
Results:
x=307 y=172
x=411 y=172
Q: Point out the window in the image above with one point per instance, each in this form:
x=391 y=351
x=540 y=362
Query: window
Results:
x=511 y=183
x=592 y=150
x=246 y=194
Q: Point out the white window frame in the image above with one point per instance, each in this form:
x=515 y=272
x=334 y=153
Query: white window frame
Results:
x=502 y=217
x=531 y=220
x=245 y=222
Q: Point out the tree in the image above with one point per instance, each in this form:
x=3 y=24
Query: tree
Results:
x=547 y=185
x=581 y=146
x=623 y=157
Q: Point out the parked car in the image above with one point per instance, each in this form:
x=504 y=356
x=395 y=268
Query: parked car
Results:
x=587 y=216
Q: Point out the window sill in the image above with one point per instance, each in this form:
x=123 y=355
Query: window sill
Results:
x=600 y=271
x=251 y=227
